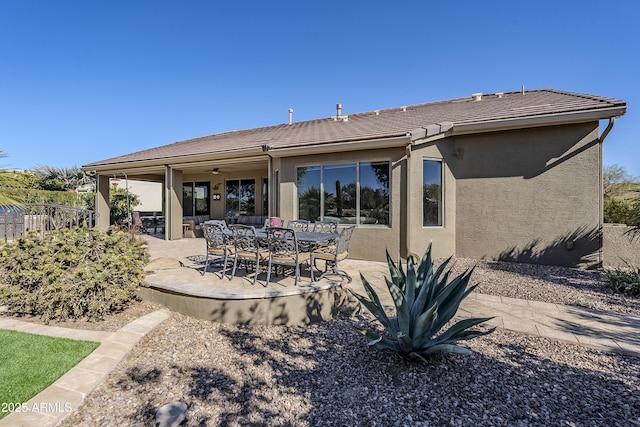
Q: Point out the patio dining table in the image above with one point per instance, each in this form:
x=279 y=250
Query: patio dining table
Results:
x=309 y=239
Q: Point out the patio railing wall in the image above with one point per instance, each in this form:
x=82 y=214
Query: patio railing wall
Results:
x=42 y=218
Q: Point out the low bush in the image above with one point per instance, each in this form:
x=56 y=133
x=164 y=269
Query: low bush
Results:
x=618 y=211
x=625 y=280
x=71 y=274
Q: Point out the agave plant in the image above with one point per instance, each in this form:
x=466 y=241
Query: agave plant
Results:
x=425 y=302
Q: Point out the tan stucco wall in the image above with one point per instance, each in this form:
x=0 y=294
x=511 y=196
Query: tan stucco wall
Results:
x=218 y=206
x=443 y=238
x=529 y=195
x=620 y=249
x=173 y=204
x=102 y=202
x=368 y=241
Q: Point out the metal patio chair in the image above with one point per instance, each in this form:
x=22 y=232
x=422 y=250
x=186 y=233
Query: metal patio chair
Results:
x=219 y=245
x=325 y=227
x=285 y=251
x=298 y=224
x=332 y=255
x=247 y=248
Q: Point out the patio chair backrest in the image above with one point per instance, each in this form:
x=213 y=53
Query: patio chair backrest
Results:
x=245 y=238
x=325 y=227
x=298 y=224
x=282 y=243
x=222 y=223
x=343 y=240
x=215 y=236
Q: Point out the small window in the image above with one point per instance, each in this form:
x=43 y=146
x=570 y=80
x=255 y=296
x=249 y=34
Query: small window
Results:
x=431 y=193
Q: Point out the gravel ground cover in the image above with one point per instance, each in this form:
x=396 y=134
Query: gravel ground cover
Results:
x=323 y=375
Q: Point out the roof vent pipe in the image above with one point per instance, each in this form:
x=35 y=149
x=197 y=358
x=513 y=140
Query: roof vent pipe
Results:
x=477 y=96
x=290 y=115
x=338 y=111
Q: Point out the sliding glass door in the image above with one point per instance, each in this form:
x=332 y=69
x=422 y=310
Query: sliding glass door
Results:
x=195 y=198
x=241 y=197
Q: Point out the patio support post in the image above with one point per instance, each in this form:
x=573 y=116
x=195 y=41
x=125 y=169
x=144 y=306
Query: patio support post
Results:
x=173 y=204
x=102 y=202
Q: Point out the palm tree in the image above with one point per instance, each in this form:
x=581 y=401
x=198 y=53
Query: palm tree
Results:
x=8 y=182
x=62 y=179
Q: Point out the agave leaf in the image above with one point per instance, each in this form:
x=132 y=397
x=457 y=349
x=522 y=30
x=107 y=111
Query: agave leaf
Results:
x=423 y=326
x=446 y=348
x=372 y=335
x=367 y=288
x=468 y=335
x=378 y=341
x=415 y=355
x=404 y=341
x=376 y=310
x=373 y=296
x=457 y=331
x=437 y=283
x=450 y=299
x=410 y=284
x=425 y=268
x=425 y=290
x=404 y=309
x=386 y=344
x=395 y=270
x=396 y=293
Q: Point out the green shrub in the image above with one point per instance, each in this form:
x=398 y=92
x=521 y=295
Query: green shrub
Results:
x=625 y=280
x=424 y=303
x=618 y=211
x=77 y=273
x=120 y=204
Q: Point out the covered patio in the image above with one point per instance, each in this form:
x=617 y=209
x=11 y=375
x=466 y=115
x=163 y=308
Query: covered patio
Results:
x=224 y=188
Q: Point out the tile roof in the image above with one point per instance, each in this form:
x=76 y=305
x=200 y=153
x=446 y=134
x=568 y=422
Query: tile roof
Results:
x=383 y=123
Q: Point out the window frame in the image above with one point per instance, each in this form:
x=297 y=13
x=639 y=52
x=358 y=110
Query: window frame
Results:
x=357 y=163
x=442 y=192
x=239 y=181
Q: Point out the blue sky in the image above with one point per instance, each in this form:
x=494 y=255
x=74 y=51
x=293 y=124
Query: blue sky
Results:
x=82 y=81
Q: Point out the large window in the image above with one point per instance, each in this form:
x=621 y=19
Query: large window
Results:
x=349 y=193
x=431 y=193
x=241 y=197
x=195 y=198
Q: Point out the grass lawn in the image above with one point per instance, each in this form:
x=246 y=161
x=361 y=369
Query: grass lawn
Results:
x=31 y=363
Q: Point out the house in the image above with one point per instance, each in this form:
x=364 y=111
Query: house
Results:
x=513 y=175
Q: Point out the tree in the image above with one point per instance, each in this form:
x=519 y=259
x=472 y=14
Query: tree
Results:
x=616 y=180
x=62 y=179
x=121 y=204
x=8 y=184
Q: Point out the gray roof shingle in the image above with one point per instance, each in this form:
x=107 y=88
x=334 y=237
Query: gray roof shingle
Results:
x=382 y=123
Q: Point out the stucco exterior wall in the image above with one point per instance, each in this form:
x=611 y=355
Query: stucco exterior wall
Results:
x=368 y=241
x=530 y=195
x=149 y=193
x=619 y=248
x=443 y=237
x=217 y=185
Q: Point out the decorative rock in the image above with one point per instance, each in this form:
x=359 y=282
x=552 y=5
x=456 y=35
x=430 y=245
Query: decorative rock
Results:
x=171 y=414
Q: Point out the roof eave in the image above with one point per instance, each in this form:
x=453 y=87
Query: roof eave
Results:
x=171 y=160
x=389 y=141
x=537 y=121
